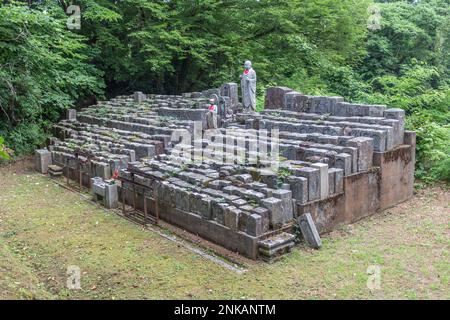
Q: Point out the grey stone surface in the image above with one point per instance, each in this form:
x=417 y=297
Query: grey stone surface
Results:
x=280 y=210
x=265 y=218
x=313 y=176
x=71 y=114
x=254 y=225
x=275 y=97
x=231 y=217
x=139 y=97
x=365 y=152
x=299 y=188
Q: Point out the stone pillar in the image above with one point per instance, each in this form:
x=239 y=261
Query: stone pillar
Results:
x=323 y=171
x=71 y=114
x=43 y=158
x=139 y=97
x=230 y=90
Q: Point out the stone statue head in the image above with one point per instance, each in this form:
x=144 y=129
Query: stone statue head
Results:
x=248 y=65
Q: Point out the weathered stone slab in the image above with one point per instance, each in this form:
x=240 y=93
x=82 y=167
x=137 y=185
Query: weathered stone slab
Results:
x=275 y=97
x=43 y=159
x=279 y=211
x=71 y=114
x=313 y=176
x=299 y=188
x=254 y=225
x=231 y=217
x=265 y=218
x=365 y=152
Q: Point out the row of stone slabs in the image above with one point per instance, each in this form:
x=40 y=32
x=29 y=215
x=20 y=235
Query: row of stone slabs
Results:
x=288 y=146
x=120 y=161
x=302 y=198
x=226 y=194
x=288 y=99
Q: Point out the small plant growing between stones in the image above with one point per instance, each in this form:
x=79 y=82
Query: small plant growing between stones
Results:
x=282 y=175
x=297 y=233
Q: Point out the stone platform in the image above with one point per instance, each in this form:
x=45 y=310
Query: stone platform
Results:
x=335 y=160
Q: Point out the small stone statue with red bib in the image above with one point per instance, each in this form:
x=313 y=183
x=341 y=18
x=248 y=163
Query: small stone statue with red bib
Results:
x=211 y=115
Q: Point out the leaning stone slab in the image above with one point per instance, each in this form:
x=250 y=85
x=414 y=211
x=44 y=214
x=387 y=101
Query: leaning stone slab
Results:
x=309 y=231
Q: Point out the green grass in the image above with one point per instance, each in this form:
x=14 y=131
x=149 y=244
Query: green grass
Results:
x=45 y=228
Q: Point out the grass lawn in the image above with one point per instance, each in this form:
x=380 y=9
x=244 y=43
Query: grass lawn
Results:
x=45 y=228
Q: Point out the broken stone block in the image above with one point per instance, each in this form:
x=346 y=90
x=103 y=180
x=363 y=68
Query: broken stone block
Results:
x=323 y=172
x=292 y=100
x=332 y=180
x=309 y=231
x=111 y=196
x=397 y=114
x=338 y=181
x=243 y=218
x=245 y=178
x=344 y=161
x=254 y=195
x=106 y=192
x=43 y=158
x=230 y=90
x=218 y=209
x=215 y=184
x=272 y=248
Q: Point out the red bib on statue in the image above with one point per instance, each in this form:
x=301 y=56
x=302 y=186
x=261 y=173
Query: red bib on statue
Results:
x=212 y=108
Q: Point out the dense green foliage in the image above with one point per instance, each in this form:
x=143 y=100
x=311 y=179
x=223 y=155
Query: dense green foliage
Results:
x=44 y=69
x=4 y=154
x=172 y=46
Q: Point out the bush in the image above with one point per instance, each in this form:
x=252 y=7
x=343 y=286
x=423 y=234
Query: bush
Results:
x=4 y=152
x=44 y=69
x=433 y=147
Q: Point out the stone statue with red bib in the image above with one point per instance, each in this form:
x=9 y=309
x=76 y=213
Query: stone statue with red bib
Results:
x=248 y=87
